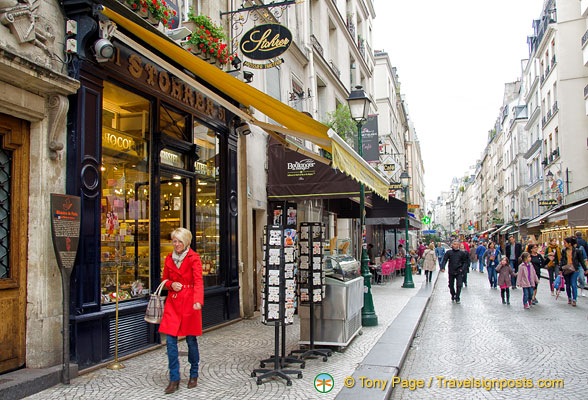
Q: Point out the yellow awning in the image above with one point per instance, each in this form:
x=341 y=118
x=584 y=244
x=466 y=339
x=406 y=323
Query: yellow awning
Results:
x=295 y=123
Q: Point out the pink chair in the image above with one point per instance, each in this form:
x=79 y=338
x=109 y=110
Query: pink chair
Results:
x=387 y=268
x=398 y=264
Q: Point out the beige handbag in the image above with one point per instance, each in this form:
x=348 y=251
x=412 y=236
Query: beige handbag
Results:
x=154 y=312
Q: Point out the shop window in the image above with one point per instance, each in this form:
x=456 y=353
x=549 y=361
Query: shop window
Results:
x=207 y=233
x=124 y=216
x=5 y=162
x=174 y=123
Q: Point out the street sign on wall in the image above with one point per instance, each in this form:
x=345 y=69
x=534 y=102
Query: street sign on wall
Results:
x=547 y=203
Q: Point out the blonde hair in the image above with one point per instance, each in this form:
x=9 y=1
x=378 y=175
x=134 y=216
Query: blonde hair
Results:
x=182 y=234
x=432 y=246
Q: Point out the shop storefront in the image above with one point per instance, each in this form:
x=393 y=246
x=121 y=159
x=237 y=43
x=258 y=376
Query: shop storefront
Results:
x=147 y=152
x=565 y=223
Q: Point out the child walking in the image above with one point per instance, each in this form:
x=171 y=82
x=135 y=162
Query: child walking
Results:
x=527 y=279
x=505 y=272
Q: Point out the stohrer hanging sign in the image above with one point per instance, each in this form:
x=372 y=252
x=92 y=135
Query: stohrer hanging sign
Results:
x=65 y=228
x=265 y=42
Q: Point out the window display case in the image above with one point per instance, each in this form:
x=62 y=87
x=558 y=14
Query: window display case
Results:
x=124 y=214
x=342 y=267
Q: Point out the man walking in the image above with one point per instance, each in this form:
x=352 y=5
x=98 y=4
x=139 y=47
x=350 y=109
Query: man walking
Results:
x=513 y=252
x=439 y=252
x=457 y=263
x=480 y=251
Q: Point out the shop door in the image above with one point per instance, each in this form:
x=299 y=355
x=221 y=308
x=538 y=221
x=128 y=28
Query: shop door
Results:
x=175 y=210
x=14 y=161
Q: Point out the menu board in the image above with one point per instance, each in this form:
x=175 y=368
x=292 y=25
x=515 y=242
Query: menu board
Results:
x=311 y=273
x=278 y=298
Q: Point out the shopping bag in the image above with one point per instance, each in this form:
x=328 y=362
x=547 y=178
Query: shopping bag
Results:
x=154 y=312
x=557 y=283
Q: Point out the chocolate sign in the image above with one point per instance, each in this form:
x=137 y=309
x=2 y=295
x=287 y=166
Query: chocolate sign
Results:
x=65 y=228
x=265 y=41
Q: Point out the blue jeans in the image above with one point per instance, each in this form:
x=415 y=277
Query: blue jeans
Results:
x=515 y=268
x=527 y=295
x=173 y=358
x=572 y=285
x=492 y=277
x=481 y=264
x=581 y=278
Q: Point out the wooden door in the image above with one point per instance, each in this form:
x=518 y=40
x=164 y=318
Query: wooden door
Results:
x=14 y=184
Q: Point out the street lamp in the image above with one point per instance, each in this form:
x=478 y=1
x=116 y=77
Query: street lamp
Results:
x=359 y=105
x=512 y=214
x=408 y=283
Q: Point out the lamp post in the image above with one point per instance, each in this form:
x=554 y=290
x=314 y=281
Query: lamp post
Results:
x=359 y=105
x=408 y=283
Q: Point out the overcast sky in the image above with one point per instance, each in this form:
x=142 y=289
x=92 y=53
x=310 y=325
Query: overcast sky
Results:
x=453 y=59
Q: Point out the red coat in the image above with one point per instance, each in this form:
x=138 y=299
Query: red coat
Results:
x=179 y=316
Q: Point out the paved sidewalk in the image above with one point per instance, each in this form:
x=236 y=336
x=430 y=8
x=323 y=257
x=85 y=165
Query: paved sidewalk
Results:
x=484 y=339
x=228 y=355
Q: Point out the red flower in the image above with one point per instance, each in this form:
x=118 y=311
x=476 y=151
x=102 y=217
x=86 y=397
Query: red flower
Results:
x=212 y=50
x=201 y=45
x=231 y=58
x=173 y=21
x=207 y=32
x=144 y=10
x=134 y=5
x=164 y=21
x=201 y=37
x=174 y=11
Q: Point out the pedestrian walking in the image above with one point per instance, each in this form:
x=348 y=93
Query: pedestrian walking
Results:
x=473 y=257
x=571 y=263
x=581 y=275
x=182 y=315
x=538 y=262
x=492 y=257
x=466 y=268
x=513 y=252
x=430 y=262
x=505 y=274
x=421 y=249
x=480 y=252
x=457 y=261
x=527 y=279
x=553 y=261
x=439 y=252
x=581 y=242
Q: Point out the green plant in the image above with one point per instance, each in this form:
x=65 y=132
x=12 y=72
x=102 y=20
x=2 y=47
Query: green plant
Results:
x=208 y=38
x=341 y=122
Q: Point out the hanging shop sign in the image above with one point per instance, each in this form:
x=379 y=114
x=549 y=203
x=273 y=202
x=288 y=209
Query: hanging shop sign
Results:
x=369 y=135
x=414 y=206
x=263 y=66
x=389 y=167
x=266 y=41
x=547 y=203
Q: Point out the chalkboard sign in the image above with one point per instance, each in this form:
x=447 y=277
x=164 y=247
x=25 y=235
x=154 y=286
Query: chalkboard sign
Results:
x=65 y=228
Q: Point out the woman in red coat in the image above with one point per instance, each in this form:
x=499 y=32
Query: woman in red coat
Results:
x=182 y=315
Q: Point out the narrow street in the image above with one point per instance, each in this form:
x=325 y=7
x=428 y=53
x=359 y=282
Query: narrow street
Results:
x=483 y=339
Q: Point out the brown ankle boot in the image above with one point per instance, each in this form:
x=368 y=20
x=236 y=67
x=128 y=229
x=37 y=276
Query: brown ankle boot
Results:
x=172 y=387
x=193 y=382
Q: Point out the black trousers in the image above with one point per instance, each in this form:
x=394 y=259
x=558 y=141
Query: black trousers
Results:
x=455 y=283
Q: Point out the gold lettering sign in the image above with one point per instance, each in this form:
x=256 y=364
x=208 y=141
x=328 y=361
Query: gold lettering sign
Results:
x=266 y=41
x=117 y=141
x=162 y=81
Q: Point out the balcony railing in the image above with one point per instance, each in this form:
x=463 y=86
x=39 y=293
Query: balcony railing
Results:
x=361 y=46
x=315 y=43
x=585 y=91
x=584 y=38
x=350 y=25
x=336 y=70
x=555 y=153
x=543 y=121
x=552 y=61
x=554 y=107
x=542 y=79
x=548 y=114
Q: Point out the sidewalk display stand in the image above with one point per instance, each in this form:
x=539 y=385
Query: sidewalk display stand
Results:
x=311 y=279
x=278 y=297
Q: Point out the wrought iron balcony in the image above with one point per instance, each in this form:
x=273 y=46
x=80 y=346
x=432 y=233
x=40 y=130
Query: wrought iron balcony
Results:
x=585 y=91
x=361 y=46
x=542 y=79
x=555 y=153
x=336 y=70
x=584 y=38
x=315 y=43
x=548 y=114
x=543 y=121
x=554 y=107
x=552 y=61
x=350 y=25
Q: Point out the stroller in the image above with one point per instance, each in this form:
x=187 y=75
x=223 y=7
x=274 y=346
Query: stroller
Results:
x=559 y=284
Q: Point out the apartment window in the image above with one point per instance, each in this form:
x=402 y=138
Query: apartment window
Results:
x=550 y=143
x=272 y=83
x=554 y=92
x=556 y=141
x=195 y=4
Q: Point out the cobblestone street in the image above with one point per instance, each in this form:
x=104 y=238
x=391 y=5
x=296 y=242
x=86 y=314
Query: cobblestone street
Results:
x=228 y=355
x=482 y=338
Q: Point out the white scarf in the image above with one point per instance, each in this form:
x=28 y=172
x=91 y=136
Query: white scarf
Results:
x=178 y=258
